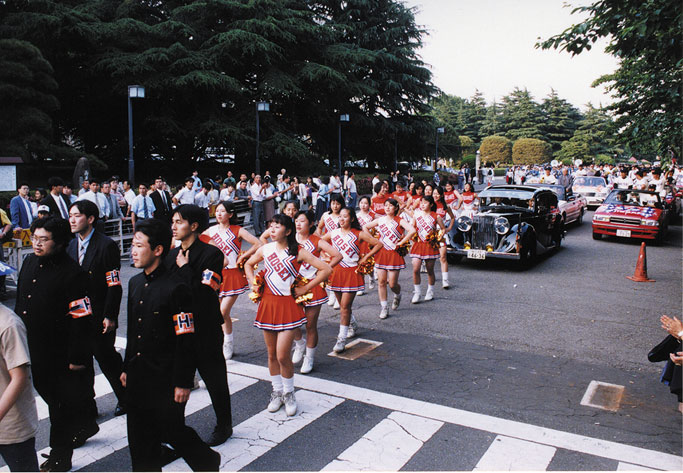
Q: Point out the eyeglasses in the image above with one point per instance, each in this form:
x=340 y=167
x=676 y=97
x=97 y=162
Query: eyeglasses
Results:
x=39 y=240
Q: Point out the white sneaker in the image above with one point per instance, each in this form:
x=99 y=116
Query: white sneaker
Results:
x=360 y=293
x=372 y=283
x=353 y=326
x=416 y=298
x=396 y=302
x=298 y=353
x=307 y=365
x=336 y=304
x=445 y=285
x=290 y=403
x=423 y=267
x=340 y=346
x=228 y=348
x=275 y=401
x=429 y=296
x=384 y=313
x=332 y=301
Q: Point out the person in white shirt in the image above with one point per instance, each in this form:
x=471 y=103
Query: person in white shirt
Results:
x=142 y=207
x=97 y=198
x=335 y=184
x=186 y=194
x=352 y=198
x=258 y=191
x=547 y=177
x=202 y=199
x=213 y=194
x=623 y=181
x=580 y=172
x=640 y=182
x=128 y=194
x=196 y=182
x=85 y=188
x=658 y=181
x=375 y=181
x=227 y=194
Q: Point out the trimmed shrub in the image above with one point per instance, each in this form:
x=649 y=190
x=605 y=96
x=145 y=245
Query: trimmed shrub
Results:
x=467 y=145
x=531 y=151
x=497 y=149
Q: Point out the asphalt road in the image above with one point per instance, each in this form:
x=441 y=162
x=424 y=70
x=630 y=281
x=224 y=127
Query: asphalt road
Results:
x=516 y=345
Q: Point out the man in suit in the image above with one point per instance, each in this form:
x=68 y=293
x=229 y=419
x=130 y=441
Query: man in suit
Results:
x=162 y=201
x=20 y=208
x=98 y=255
x=112 y=201
x=55 y=199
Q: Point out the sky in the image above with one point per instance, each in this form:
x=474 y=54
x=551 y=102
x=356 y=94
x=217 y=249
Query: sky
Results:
x=489 y=45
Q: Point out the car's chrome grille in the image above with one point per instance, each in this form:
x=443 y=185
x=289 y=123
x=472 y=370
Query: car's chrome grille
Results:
x=483 y=231
x=628 y=221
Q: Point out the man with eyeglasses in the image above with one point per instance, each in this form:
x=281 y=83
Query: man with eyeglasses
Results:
x=53 y=304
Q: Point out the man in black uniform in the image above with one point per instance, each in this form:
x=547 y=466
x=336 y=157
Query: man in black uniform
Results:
x=99 y=256
x=200 y=266
x=52 y=302
x=158 y=369
x=162 y=202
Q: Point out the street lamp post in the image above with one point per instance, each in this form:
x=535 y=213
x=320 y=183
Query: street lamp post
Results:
x=342 y=119
x=439 y=131
x=260 y=107
x=134 y=92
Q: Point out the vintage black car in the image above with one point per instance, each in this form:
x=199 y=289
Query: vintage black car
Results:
x=514 y=222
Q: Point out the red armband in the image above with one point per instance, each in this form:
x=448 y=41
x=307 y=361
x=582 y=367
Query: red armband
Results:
x=113 y=278
x=211 y=279
x=80 y=308
x=184 y=323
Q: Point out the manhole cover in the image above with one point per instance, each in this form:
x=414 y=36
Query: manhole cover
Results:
x=356 y=349
x=603 y=396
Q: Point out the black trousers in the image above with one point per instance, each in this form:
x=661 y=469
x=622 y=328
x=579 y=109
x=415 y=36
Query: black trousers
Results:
x=212 y=369
x=149 y=425
x=65 y=394
x=20 y=456
x=111 y=365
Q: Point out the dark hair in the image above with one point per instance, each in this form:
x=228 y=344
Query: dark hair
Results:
x=22 y=184
x=193 y=214
x=288 y=223
x=394 y=204
x=366 y=197
x=57 y=226
x=295 y=203
x=339 y=199
x=439 y=189
x=158 y=233
x=188 y=179
x=418 y=186
x=430 y=199
x=87 y=208
x=378 y=187
x=55 y=181
x=355 y=224
x=399 y=183
x=42 y=192
x=309 y=216
x=158 y=178
x=229 y=208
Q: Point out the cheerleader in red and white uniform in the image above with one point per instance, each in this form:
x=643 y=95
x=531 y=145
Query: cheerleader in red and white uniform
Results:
x=452 y=197
x=304 y=222
x=345 y=280
x=469 y=201
x=227 y=237
x=328 y=222
x=393 y=232
x=443 y=210
x=426 y=221
x=365 y=215
x=278 y=313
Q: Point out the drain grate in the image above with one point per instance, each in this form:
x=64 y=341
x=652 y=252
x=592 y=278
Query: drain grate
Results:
x=356 y=349
x=603 y=396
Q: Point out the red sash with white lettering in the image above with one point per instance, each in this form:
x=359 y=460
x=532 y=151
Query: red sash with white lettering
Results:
x=331 y=221
x=347 y=244
x=228 y=241
x=281 y=269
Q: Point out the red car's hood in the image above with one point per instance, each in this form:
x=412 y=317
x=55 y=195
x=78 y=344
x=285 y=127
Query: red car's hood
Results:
x=649 y=213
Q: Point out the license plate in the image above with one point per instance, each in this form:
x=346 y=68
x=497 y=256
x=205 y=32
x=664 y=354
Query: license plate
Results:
x=476 y=254
x=624 y=233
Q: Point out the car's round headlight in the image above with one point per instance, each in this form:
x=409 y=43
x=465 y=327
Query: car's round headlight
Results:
x=502 y=225
x=464 y=224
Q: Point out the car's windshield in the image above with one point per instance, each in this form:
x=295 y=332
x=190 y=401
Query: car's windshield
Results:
x=558 y=190
x=506 y=197
x=589 y=181
x=632 y=197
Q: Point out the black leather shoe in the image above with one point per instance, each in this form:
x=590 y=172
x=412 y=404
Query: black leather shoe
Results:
x=219 y=436
x=216 y=461
x=55 y=464
x=120 y=410
x=168 y=455
x=83 y=435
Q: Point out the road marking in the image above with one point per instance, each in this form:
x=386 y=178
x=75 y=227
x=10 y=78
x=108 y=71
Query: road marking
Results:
x=509 y=428
x=102 y=388
x=510 y=454
x=388 y=446
x=264 y=431
x=628 y=467
x=603 y=396
x=356 y=349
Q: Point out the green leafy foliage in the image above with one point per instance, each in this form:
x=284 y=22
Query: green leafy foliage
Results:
x=531 y=151
x=497 y=149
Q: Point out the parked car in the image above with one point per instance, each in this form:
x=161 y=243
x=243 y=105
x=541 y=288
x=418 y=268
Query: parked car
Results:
x=631 y=213
x=572 y=207
x=514 y=222
x=594 y=189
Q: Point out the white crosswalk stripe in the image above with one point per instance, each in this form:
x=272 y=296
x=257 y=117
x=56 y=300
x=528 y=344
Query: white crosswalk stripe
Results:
x=387 y=445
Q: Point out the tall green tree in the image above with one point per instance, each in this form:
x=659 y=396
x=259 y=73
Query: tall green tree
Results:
x=595 y=136
x=474 y=116
x=561 y=119
x=492 y=124
x=522 y=116
x=645 y=35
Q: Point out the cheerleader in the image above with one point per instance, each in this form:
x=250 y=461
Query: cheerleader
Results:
x=415 y=196
x=442 y=210
x=452 y=197
x=278 y=314
x=312 y=243
x=426 y=222
x=345 y=280
x=290 y=209
x=227 y=237
x=388 y=262
x=365 y=215
x=328 y=222
x=469 y=201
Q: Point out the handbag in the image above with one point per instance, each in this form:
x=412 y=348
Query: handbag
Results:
x=663 y=349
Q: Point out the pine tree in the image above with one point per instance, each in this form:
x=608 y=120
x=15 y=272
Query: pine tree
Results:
x=522 y=116
x=561 y=119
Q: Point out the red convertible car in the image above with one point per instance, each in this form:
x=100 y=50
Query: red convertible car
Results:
x=631 y=213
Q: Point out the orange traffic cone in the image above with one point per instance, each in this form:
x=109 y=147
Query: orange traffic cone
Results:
x=640 y=275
